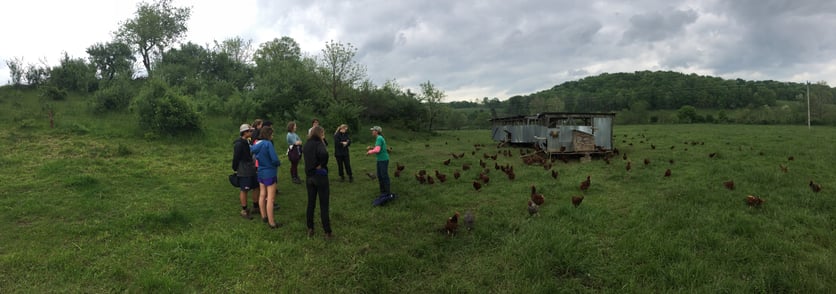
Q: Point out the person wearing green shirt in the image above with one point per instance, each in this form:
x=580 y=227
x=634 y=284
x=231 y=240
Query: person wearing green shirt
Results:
x=382 y=154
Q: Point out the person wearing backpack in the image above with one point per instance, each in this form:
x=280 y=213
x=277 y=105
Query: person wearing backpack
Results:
x=244 y=167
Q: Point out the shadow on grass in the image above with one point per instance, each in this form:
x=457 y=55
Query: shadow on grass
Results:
x=162 y=222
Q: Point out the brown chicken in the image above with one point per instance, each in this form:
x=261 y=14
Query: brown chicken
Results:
x=533 y=209
x=538 y=198
x=576 y=200
x=511 y=175
x=477 y=186
x=585 y=184
x=456 y=174
x=465 y=166
x=815 y=187
x=652 y=146
x=430 y=180
x=421 y=179
x=482 y=163
x=484 y=178
x=624 y=157
x=554 y=174
x=791 y=158
x=446 y=162
x=754 y=201
x=441 y=177
x=452 y=224
x=628 y=167
x=670 y=161
x=729 y=184
x=711 y=155
x=397 y=173
x=783 y=168
x=646 y=161
x=667 y=173
x=399 y=166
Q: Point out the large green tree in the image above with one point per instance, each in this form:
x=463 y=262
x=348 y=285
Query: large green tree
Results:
x=339 y=70
x=154 y=28
x=112 y=59
x=16 y=70
x=282 y=79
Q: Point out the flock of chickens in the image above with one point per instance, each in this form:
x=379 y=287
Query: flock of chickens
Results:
x=534 y=157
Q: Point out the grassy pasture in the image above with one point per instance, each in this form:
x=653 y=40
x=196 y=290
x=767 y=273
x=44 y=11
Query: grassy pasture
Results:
x=93 y=206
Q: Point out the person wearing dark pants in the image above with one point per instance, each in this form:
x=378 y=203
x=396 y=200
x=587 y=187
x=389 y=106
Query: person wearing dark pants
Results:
x=382 y=155
x=341 y=143
x=294 y=151
x=316 y=182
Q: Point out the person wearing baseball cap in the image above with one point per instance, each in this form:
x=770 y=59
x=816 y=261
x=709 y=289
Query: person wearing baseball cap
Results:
x=382 y=155
x=244 y=167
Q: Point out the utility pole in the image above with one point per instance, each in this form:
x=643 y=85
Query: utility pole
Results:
x=808 y=105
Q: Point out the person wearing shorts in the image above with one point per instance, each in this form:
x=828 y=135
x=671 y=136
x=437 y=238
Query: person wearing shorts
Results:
x=268 y=164
x=244 y=167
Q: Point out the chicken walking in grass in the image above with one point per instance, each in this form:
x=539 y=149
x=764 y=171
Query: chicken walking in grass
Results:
x=629 y=166
x=754 y=201
x=554 y=174
x=729 y=184
x=477 y=186
x=668 y=173
x=447 y=162
x=533 y=209
x=537 y=198
x=452 y=224
x=815 y=187
x=585 y=184
x=457 y=174
x=576 y=200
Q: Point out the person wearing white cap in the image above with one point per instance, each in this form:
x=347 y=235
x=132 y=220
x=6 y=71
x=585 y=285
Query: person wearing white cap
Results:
x=382 y=155
x=244 y=167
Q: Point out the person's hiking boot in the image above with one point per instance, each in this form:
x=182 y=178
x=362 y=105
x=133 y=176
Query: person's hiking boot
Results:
x=276 y=226
x=246 y=214
x=296 y=181
x=310 y=233
x=329 y=236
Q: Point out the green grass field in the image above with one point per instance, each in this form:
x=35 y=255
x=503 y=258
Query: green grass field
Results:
x=94 y=206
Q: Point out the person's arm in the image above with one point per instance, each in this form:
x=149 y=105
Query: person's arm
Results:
x=374 y=150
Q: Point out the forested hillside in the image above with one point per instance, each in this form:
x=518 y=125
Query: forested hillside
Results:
x=637 y=95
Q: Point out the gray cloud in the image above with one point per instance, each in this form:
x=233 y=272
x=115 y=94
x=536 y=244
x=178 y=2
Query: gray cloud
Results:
x=472 y=49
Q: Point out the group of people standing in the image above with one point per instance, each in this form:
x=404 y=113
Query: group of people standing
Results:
x=256 y=164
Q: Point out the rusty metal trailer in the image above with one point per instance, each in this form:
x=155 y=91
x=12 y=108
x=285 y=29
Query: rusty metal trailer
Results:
x=558 y=132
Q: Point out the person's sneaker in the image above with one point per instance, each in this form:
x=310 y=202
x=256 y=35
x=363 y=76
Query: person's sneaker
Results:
x=329 y=236
x=310 y=233
x=246 y=214
x=277 y=225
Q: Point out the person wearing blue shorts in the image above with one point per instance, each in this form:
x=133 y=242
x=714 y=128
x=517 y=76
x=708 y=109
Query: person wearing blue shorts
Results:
x=268 y=164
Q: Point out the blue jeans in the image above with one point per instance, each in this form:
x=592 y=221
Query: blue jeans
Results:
x=383 y=176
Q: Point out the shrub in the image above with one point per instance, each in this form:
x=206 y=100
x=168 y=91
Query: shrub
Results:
x=54 y=93
x=116 y=96
x=163 y=110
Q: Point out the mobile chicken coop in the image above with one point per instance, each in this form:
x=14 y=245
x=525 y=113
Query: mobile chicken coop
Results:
x=558 y=132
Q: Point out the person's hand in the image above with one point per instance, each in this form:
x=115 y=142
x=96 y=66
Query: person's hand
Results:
x=368 y=147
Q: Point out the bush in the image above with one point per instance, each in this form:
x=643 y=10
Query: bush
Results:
x=54 y=93
x=162 y=110
x=116 y=96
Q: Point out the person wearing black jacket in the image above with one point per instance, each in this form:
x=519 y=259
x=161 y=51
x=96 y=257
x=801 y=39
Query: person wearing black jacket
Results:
x=244 y=167
x=341 y=143
x=316 y=182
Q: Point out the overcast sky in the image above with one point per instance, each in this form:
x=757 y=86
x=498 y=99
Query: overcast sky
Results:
x=475 y=49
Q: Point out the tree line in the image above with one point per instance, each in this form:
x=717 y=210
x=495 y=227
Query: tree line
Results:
x=179 y=83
